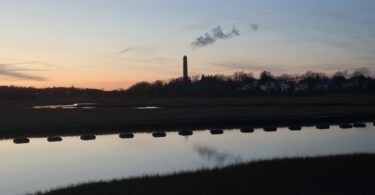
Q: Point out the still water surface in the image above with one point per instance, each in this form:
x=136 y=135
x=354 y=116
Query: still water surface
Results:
x=40 y=165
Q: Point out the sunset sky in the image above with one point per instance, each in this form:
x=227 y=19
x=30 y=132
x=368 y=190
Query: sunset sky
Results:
x=112 y=44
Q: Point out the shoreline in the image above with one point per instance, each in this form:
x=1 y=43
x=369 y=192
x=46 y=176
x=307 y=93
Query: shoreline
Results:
x=114 y=115
x=275 y=122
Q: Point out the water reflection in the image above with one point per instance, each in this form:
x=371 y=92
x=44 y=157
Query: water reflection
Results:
x=148 y=108
x=89 y=106
x=109 y=157
x=220 y=158
x=68 y=106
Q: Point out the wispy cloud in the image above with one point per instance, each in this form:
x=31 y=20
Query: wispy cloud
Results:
x=125 y=51
x=21 y=76
x=216 y=34
x=8 y=70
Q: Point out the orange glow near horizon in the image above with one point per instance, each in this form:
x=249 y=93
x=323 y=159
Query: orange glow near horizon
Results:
x=104 y=45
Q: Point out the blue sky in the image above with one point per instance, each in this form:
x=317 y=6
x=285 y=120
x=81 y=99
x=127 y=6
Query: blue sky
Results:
x=77 y=42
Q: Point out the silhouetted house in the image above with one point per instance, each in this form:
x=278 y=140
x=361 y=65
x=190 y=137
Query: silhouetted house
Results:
x=244 y=88
x=357 y=84
x=351 y=84
x=285 y=87
x=264 y=88
x=269 y=86
x=323 y=85
x=365 y=86
x=301 y=87
x=253 y=86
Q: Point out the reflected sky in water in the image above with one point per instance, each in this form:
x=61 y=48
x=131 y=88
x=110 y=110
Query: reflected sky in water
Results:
x=67 y=106
x=40 y=165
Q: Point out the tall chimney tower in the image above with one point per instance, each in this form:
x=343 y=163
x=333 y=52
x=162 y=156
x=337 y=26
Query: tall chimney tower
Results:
x=185 y=76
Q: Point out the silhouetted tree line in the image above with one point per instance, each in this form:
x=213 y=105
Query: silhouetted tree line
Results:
x=245 y=84
x=238 y=84
x=19 y=93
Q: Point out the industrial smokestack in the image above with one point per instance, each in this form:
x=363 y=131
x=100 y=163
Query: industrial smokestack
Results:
x=185 y=69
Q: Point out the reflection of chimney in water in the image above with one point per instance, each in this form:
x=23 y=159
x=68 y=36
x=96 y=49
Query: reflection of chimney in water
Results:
x=185 y=76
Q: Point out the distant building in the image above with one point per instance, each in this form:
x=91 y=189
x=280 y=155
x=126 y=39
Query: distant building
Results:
x=264 y=88
x=284 y=87
x=323 y=85
x=253 y=86
x=185 y=69
x=301 y=87
x=351 y=84
x=269 y=86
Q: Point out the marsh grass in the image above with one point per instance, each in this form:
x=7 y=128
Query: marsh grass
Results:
x=88 y=137
x=21 y=140
x=359 y=125
x=346 y=174
x=126 y=135
x=270 y=129
x=179 y=113
x=159 y=134
x=185 y=133
x=295 y=128
x=217 y=132
x=54 y=139
x=323 y=126
x=247 y=130
x=346 y=126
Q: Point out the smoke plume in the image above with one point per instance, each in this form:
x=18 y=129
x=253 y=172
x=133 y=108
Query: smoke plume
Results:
x=216 y=34
x=220 y=158
x=254 y=27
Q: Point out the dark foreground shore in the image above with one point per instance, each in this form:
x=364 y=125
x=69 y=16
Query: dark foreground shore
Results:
x=116 y=115
x=347 y=174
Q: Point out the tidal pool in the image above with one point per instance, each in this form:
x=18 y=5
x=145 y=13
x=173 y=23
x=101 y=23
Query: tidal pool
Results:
x=68 y=106
x=41 y=165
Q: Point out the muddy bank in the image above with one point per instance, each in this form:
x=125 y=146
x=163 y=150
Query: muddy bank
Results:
x=120 y=115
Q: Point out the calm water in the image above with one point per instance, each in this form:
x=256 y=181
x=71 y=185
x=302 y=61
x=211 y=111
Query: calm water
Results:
x=40 y=165
x=86 y=106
